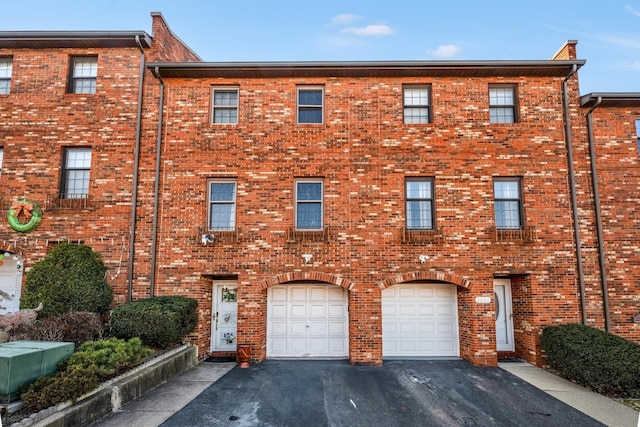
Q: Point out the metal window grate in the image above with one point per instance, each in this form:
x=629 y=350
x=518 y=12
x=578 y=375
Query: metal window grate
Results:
x=435 y=235
x=523 y=235
x=295 y=235
x=68 y=201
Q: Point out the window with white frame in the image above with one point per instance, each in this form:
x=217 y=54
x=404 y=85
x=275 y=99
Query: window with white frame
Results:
x=419 y=204
x=6 y=66
x=224 y=105
x=75 y=173
x=222 y=205
x=417 y=104
x=508 y=204
x=310 y=105
x=502 y=104
x=309 y=201
x=1 y=158
x=83 y=74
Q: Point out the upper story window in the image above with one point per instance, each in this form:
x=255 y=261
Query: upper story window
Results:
x=508 y=205
x=502 y=104
x=416 y=104
x=6 y=65
x=83 y=74
x=75 y=173
x=222 y=205
x=225 y=105
x=638 y=133
x=1 y=158
x=309 y=201
x=419 y=204
x=310 y=104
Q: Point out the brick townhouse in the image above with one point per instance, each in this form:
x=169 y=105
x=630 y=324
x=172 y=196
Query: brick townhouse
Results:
x=69 y=131
x=360 y=210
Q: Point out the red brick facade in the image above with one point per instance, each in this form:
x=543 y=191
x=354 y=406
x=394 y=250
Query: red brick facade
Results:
x=40 y=119
x=362 y=153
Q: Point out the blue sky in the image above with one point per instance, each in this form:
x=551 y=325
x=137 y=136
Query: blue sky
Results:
x=608 y=32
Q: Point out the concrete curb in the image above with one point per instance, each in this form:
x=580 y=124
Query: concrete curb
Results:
x=115 y=393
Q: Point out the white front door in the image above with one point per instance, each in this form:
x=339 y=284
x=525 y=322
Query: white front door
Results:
x=420 y=320
x=307 y=320
x=504 y=315
x=224 y=319
x=10 y=284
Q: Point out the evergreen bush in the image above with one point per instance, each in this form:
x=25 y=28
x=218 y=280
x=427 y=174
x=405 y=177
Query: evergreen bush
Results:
x=93 y=363
x=601 y=361
x=70 y=278
x=158 y=322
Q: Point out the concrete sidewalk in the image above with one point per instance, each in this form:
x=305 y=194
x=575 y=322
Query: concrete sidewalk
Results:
x=160 y=403
x=598 y=407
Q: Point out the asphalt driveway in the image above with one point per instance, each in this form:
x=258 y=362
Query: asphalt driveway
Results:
x=311 y=393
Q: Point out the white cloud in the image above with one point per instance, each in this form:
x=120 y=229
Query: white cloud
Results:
x=445 y=51
x=345 y=18
x=632 y=11
x=370 y=30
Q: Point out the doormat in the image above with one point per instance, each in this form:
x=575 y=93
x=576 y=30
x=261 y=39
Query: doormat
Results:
x=212 y=359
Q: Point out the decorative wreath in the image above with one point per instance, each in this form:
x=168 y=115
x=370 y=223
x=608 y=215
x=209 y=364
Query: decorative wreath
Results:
x=27 y=209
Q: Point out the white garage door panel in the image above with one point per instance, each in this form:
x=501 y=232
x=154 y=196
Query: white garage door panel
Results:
x=297 y=328
x=426 y=309
x=306 y=320
x=420 y=320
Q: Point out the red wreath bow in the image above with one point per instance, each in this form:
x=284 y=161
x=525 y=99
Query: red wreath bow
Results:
x=22 y=208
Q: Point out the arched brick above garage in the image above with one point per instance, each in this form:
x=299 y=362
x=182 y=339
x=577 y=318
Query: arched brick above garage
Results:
x=307 y=276
x=426 y=275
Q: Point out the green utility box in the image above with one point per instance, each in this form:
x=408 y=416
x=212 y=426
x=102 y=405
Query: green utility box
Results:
x=22 y=362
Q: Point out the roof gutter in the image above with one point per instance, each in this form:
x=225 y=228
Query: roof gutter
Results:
x=136 y=162
x=572 y=190
x=596 y=201
x=554 y=68
x=156 y=191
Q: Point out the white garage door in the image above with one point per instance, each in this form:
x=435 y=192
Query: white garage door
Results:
x=307 y=320
x=420 y=320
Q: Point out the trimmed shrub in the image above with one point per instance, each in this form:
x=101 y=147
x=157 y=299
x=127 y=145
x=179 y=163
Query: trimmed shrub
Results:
x=93 y=363
x=76 y=327
x=110 y=356
x=70 y=278
x=62 y=387
x=158 y=322
x=601 y=361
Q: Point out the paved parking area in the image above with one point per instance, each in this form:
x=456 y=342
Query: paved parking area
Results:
x=400 y=393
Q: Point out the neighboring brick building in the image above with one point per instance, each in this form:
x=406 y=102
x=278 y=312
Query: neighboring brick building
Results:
x=367 y=210
x=613 y=223
x=68 y=133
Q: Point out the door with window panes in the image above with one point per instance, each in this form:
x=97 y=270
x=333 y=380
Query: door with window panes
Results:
x=224 y=321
